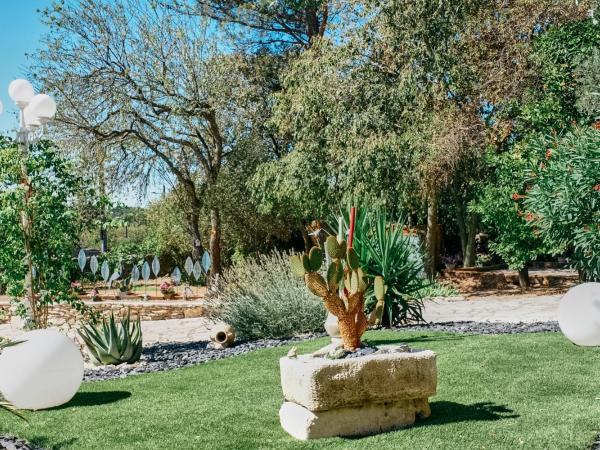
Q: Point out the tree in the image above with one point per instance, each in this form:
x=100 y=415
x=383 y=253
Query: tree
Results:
x=150 y=86
x=266 y=24
x=53 y=230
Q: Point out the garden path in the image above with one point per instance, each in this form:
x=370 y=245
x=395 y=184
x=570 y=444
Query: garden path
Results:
x=512 y=309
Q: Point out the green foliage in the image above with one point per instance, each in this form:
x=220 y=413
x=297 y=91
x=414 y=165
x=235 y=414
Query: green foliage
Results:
x=261 y=298
x=384 y=251
x=113 y=343
x=563 y=203
x=55 y=225
x=437 y=289
x=587 y=74
x=500 y=205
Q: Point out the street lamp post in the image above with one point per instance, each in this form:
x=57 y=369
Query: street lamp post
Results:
x=34 y=112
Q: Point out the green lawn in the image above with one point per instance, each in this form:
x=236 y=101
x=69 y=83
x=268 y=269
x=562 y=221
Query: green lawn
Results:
x=530 y=391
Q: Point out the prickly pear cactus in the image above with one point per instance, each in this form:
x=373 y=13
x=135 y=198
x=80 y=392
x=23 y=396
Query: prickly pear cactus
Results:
x=343 y=289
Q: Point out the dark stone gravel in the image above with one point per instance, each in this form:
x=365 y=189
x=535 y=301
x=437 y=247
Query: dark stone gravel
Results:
x=167 y=356
x=486 y=327
x=12 y=443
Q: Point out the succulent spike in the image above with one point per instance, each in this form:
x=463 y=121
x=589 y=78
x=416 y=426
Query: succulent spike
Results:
x=315 y=259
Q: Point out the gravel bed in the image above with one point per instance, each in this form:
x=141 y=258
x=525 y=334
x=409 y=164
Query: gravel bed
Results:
x=486 y=327
x=12 y=443
x=166 y=356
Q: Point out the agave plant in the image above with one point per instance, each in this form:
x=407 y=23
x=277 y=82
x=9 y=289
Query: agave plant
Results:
x=384 y=251
x=5 y=404
x=113 y=343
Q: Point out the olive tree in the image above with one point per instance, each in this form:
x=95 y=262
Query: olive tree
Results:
x=153 y=90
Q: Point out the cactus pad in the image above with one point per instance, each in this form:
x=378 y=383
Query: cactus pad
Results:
x=316 y=284
x=335 y=273
x=352 y=259
x=379 y=288
x=335 y=249
x=297 y=266
x=315 y=259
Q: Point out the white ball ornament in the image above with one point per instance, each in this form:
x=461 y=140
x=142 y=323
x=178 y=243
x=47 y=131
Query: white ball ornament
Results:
x=579 y=314
x=44 y=371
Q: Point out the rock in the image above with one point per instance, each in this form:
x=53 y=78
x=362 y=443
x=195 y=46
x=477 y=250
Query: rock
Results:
x=362 y=420
x=330 y=348
x=321 y=384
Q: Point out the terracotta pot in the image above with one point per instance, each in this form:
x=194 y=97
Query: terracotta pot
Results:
x=222 y=336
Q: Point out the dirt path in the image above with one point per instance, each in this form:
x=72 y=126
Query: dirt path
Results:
x=480 y=309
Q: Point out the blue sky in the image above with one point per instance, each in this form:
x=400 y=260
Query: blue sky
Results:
x=20 y=31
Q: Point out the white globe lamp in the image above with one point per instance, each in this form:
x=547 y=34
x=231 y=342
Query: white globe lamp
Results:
x=579 y=314
x=43 y=107
x=21 y=92
x=31 y=118
x=44 y=371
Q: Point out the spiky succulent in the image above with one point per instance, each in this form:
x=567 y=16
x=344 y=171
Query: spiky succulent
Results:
x=113 y=343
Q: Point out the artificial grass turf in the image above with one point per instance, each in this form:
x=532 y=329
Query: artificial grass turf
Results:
x=530 y=391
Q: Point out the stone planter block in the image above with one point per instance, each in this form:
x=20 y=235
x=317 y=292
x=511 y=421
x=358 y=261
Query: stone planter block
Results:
x=371 y=418
x=321 y=384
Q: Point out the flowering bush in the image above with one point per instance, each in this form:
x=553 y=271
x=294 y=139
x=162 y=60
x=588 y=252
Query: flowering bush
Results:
x=167 y=288
x=563 y=203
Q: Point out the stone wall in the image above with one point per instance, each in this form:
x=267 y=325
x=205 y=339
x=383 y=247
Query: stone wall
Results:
x=146 y=310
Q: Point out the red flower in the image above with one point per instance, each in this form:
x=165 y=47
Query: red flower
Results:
x=516 y=196
x=529 y=217
x=548 y=153
x=597 y=188
x=596 y=125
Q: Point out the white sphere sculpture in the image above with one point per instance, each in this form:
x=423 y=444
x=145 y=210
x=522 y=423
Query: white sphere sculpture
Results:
x=21 y=92
x=44 y=371
x=579 y=314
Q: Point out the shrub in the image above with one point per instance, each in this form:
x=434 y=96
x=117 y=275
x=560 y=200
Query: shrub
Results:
x=261 y=298
x=563 y=202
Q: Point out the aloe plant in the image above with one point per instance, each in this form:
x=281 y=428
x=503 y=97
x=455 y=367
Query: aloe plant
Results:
x=114 y=343
x=5 y=404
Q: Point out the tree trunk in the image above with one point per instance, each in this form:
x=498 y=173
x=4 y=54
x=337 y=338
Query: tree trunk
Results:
x=469 y=251
x=432 y=238
x=196 y=236
x=215 y=240
x=467 y=228
x=524 y=278
x=308 y=243
x=103 y=239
